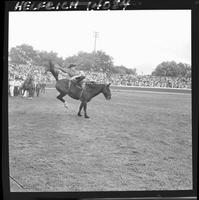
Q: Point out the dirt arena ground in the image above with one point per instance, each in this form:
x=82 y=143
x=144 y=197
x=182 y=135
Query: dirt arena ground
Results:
x=137 y=141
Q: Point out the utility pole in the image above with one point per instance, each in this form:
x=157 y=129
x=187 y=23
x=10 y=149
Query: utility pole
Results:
x=96 y=35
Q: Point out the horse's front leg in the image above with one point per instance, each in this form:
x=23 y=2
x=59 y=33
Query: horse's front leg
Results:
x=80 y=109
x=85 y=110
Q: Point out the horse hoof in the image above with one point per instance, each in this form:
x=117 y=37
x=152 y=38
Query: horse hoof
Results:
x=87 y=117
x=79 y=115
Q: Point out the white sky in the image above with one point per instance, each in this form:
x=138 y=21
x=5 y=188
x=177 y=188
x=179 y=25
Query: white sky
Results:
x=136 y=39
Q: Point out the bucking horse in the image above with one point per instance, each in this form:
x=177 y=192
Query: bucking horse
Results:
x=70 y=87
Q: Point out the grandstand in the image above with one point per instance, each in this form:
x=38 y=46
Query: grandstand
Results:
x=21 y=71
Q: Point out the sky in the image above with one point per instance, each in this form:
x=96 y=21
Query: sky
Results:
x=139 y=39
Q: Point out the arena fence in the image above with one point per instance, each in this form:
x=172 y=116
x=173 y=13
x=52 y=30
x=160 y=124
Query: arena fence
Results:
x=152 y=89
x=132 y=88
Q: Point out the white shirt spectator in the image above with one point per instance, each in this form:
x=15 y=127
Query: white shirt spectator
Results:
x=12 y=85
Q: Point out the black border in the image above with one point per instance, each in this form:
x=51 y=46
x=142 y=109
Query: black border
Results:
x=193 y=5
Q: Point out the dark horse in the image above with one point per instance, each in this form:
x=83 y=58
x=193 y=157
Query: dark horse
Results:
x=43 y=86
x=84 y=94
x=28 y=85
x=38 y=88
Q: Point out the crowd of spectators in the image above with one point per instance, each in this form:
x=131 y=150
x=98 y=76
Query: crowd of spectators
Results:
x=140 y=80
x=19 y=72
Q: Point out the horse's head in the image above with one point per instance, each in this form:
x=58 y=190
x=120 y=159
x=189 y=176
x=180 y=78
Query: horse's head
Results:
x=106 y=91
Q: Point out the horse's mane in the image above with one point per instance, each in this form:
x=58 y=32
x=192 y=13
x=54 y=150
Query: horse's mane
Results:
x=93 y=84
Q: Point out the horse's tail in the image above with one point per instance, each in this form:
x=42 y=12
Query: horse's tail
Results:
x=52 y=69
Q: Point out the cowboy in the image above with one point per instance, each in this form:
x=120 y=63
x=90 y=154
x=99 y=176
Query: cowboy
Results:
x=76 y=75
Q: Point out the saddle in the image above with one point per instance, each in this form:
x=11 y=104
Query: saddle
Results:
x=78 y=84
x=82 y=84
x=76 y=88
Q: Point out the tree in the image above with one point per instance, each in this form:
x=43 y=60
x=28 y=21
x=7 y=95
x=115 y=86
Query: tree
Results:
x=123 y=70
x=25 y=54
x=184 y=70
x=22 y=54
x=82 y=60
x=172 y=69
x=99 y=61
x=103 y=62
x=44 y=57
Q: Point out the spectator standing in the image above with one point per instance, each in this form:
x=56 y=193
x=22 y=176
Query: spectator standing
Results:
x=12 y=85
x=17 y=85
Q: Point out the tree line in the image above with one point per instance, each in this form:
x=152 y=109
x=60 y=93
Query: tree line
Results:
x=173 y=69
x=95 y=61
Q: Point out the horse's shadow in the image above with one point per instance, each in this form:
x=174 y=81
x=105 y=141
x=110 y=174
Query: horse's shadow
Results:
x=69 y=115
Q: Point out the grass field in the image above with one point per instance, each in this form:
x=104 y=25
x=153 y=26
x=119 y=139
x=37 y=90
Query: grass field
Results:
x=136 y=141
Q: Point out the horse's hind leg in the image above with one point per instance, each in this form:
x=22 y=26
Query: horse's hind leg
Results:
x=60 y=97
